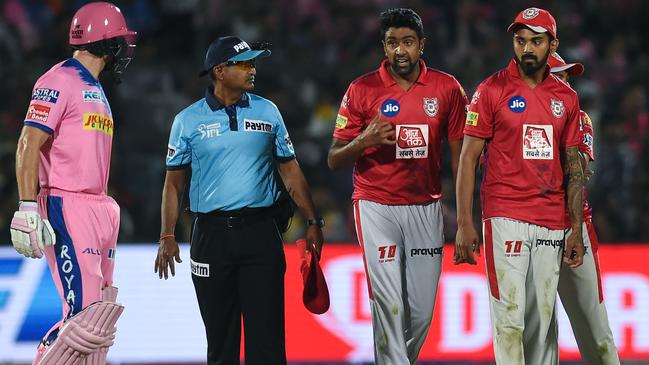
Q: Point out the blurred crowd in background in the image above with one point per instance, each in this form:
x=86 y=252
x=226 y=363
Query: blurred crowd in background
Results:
x=319 y=47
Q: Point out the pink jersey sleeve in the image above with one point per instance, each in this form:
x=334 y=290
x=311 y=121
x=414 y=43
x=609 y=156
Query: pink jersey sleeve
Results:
x=480 y=116
x=47 y=104
x=587 y=141
x=349 y=121
x=458 y=111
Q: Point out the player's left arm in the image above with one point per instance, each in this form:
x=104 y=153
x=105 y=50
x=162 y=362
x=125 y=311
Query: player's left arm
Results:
x=572 y=167
x=27 y=161
x=458 y=102
x=298 y=189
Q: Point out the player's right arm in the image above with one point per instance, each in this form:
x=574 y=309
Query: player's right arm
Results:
x=466 y=239
x=477 y=129
x=178 y=159
x=345 y=153
x=168 y=251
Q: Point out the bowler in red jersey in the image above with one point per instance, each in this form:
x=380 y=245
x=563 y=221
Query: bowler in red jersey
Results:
x=390 y=127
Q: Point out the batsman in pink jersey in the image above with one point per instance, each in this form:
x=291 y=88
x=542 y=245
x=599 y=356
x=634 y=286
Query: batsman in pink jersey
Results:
x=580 y=289
x=64 y=149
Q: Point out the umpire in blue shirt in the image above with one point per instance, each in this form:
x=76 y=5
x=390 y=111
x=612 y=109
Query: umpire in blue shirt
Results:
x=235 y=142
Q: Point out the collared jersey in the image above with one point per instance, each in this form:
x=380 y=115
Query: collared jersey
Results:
x=69 y=103
x=232 y=168
x=408 y=172
x=525 y=129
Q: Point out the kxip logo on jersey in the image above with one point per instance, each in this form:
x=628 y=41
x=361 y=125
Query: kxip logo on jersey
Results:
x=557 y=107
x=537 y=142
x=431 y=106
x=48 y=95
x=412 y=141
x=390 y=108
x=517 y=104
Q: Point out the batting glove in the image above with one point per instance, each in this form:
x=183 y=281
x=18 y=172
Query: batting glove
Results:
x=30 y=233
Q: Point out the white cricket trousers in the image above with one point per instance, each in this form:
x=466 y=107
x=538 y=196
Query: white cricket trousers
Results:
x=523 y=262
x=580 y=290
x=402 y=249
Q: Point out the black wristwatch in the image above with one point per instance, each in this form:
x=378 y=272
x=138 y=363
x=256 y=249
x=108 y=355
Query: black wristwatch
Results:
x=317 y=222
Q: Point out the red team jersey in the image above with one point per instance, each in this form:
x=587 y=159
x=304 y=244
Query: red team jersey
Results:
x=408 y=172
x=525 y=129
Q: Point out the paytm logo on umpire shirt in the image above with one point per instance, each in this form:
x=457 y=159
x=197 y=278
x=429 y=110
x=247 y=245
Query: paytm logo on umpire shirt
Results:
x=200 y=269
x=250 y=125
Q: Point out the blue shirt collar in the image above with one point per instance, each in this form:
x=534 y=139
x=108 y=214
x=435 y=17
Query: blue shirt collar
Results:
x=85 y=75
x=215 y=104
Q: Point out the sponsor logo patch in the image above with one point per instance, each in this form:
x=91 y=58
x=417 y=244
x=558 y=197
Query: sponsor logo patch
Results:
x=513 y=248
x=241 y=46
x=200 y=269
x=171 y=151
x=387 y=253
x=537 y=142
x=91 y=96
x=432 y=252
x=251 y=125
x=517 y=104
x=209 y=130
x=98 y=122
x=431 y=106
x=289 y=143
x=472 y=118
x=48 y=95
x=38 y=113
x=345 y=102
x=77 y=32
x=341 y=121
x=92 y=251
x=588 y=140
x=549 y=243
x=412 y=141
x=390 y=108
x=475 y=97
x=557 y=107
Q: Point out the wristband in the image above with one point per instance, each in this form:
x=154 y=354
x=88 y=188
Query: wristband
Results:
x=166 y=236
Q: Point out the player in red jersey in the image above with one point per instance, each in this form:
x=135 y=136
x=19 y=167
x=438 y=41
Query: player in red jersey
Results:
x=390 y=127
x=580 y=289
x=528 y=123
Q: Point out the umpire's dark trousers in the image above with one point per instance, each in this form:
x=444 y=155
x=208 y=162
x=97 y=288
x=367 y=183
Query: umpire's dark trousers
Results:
x=238 y=268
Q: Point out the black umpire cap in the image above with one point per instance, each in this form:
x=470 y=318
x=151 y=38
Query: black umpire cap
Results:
x=230 y=48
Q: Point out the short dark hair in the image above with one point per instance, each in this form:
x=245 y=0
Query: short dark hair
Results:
x=401 y=18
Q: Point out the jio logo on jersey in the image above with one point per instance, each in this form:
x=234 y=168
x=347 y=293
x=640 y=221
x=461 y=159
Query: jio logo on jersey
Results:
x=517 y=104
x=390 y=108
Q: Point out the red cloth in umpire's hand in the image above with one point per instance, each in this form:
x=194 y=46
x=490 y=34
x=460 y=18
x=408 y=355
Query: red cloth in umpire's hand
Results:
x=315 y=294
